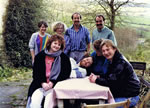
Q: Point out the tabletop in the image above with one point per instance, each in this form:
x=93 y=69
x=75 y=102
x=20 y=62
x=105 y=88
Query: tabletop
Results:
x=82 y=88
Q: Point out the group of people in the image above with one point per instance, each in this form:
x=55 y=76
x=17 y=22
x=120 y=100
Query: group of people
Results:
x=66 y=55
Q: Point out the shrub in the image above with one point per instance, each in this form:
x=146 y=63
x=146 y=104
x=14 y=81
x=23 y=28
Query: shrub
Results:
x=126 y=39
x=20 y=21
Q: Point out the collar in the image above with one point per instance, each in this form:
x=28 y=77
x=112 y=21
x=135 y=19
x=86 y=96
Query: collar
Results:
x=72 y=27
x=101 y=29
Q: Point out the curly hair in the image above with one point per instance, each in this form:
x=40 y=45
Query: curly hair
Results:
x=55 y=38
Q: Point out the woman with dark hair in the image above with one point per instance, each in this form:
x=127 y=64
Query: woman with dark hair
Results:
x=50 y=66
x=120 y=76
x=38 y=40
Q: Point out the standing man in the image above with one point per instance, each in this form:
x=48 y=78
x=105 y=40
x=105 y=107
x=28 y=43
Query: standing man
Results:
x=102 y=31
x=79 y=38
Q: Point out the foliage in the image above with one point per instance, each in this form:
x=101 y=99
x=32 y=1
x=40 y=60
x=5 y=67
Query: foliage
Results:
x=126 y=39
x=14 y=74
x=111 y=9
x=5 y=72
x=20 y=21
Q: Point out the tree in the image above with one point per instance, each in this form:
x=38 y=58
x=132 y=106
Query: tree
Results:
x=20 y=21
x=111 y=8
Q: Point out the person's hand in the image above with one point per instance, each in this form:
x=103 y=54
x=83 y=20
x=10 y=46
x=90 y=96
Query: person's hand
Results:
x=51 y=84
x=93 y=78
x=46 y=86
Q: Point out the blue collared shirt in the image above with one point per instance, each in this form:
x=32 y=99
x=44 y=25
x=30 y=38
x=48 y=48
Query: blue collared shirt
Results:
x=78 y=40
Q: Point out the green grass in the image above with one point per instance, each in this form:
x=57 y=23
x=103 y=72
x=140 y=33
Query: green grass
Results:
x=14 y=74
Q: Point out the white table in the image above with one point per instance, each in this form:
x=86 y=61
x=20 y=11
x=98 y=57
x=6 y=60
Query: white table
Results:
x=81 y=88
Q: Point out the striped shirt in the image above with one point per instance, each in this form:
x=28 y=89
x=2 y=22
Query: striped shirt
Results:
x=78 y=40
x=37 y=42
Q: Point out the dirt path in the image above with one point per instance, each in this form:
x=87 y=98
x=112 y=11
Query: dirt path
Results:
x=13 y=94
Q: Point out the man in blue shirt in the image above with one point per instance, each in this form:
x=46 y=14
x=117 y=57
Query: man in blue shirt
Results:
x=79 y=38
x=102 y=31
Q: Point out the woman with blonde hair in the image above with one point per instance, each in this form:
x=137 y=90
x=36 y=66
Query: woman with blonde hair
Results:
x=59 y=28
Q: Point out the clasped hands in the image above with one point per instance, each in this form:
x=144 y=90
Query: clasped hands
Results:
x=93 y=78
x=47 y=86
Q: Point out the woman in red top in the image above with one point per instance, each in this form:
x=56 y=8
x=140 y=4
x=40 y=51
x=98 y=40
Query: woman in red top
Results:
x=50 y=66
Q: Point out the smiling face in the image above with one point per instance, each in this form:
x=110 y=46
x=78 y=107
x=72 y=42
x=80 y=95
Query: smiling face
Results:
x=60 y=30
x=76 y=19
x=55 y=46
x=108 y=51
x=43 y=29
x=86 y=62
x=99 y=22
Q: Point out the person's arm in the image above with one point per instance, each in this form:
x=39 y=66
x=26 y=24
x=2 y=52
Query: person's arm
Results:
x=32 y=55
x=112 y=37
x=88 y=48
x=32 y=46
x=88 y=40
x=67 y=44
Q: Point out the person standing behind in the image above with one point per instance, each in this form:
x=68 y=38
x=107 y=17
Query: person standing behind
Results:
x=38 y=40
x=50 y=66
x=79 y=38
x=60 y=28
x=102 y=31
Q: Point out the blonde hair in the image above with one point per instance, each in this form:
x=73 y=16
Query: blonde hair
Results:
x=57 y=25
x=108 y=42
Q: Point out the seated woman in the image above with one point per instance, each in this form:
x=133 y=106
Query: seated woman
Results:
x=120 y=77
x=100 y=63
x=51 y=65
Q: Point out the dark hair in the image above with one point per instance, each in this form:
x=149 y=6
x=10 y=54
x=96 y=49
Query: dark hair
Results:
x=42 y=23
x=97 y=44
x=99 y=15
x=77 y=14
x=55 y=38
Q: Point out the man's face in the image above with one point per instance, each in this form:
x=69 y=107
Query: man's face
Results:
x=99 y=23
x=86 y=62
x=76 y=19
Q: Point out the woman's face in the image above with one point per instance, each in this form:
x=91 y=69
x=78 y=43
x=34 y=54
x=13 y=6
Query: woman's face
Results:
x=86 y=62
x=55 y=46
x=60 y=30
x=43 y=29
x=108 y=52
